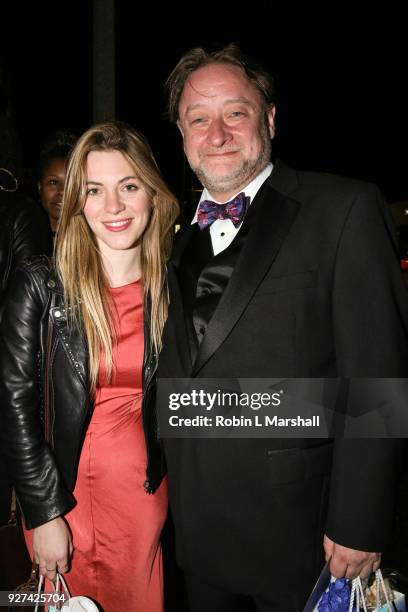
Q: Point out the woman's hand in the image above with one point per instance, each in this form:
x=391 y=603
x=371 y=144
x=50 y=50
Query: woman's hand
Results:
x=52 y=546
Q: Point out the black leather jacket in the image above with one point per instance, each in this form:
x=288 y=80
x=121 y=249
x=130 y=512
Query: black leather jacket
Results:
x=44 y=474
x=24 y=231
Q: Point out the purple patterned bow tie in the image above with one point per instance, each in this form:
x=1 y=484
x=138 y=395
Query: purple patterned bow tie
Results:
x=209 y=211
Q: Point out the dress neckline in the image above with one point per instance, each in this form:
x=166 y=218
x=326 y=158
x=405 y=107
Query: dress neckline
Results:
x=136 y=282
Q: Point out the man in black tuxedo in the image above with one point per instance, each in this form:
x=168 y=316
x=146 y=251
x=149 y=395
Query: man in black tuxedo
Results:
x=307 y=286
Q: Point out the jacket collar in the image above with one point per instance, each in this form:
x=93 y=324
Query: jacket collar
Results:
x=54 y=282
x=283 y=179
x=274 y=217
x=72 y=338
x=276 y=212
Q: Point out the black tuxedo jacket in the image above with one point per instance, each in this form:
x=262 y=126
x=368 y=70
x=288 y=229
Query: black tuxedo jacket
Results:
x=316 y=292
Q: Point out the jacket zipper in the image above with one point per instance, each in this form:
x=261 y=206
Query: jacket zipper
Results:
x=47 y=366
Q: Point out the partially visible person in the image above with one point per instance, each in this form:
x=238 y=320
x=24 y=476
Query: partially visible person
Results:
x=92 y=491
x=23 y=227
x=23 y=232
x=51 y=173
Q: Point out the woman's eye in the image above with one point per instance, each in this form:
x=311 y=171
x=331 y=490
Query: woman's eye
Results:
x=130 y=187
x=52 y=182
x=92 y=191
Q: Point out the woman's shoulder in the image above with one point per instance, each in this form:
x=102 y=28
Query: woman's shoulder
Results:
x=35 y=270
x=40 y=265
x=28 y=288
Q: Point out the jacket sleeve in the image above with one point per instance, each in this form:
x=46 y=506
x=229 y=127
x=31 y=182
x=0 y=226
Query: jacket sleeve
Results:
x=370 y=313
x=33 y=472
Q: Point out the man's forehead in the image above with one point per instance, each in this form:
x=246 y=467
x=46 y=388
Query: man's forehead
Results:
x=218 y=81
x=226 y=101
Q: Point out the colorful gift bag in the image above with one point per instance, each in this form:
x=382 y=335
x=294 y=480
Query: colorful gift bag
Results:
x=382 y=599
x=342 y=595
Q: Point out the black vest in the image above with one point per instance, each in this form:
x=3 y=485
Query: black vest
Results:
x=204 y=276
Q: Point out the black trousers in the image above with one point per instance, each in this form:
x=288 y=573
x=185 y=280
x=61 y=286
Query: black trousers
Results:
x=204 y=598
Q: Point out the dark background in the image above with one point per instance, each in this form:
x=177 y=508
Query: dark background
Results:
x=342 y=101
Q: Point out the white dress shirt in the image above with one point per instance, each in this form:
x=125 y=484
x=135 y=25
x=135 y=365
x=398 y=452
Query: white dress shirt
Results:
x=223 y=231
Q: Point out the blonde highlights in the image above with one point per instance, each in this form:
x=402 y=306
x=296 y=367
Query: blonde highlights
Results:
x=78 y=262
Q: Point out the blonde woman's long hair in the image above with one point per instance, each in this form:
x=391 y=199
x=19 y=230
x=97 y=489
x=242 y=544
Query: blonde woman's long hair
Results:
x=77 y=258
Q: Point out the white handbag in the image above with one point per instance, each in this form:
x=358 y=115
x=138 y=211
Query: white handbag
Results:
x=63 y=602
x=79 y=604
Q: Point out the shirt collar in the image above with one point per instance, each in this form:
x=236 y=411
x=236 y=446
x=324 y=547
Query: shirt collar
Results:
x=250 y=190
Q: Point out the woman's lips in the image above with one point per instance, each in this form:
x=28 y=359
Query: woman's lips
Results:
x=117 y=226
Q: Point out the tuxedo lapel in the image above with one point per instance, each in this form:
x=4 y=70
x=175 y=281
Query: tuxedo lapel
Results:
x=275 y=214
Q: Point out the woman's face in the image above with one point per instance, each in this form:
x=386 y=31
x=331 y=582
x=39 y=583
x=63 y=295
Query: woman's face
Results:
x=51 y=187
x=117 y=207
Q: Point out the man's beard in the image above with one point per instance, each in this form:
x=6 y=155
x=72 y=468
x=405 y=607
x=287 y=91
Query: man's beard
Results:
x=241 y=175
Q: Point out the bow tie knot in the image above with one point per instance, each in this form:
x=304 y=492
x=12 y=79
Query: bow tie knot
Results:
x=209 y=211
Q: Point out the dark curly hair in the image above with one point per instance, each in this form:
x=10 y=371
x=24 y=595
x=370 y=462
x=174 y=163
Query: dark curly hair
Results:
x=58 y=145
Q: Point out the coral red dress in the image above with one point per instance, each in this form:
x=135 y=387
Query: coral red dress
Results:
x=116 y=525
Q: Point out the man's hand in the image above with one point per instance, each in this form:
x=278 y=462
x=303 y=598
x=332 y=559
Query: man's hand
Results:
x=349 y=563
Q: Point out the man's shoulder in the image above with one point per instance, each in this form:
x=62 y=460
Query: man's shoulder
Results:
x=337 y=184
x=317 y=185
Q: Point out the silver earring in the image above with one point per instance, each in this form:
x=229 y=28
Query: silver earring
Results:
x=14 y=179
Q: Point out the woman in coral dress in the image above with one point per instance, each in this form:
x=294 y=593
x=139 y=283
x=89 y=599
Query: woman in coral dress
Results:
x=90 y=483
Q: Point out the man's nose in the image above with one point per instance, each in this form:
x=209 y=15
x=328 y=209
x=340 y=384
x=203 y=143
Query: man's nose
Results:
x=113 y=203
x=218 y=133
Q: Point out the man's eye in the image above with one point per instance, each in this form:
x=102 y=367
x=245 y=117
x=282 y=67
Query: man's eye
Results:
x=197 y=120
x=237 y=114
